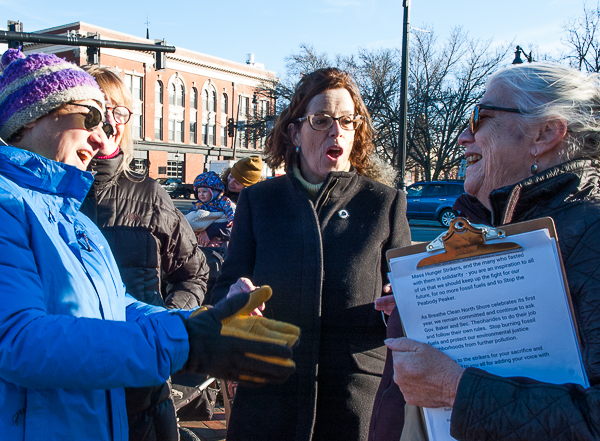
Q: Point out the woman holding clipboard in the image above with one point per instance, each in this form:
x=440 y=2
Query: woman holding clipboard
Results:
x=531 y=148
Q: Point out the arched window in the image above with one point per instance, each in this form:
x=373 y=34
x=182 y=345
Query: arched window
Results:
x=194 y=98
x=224 y=104
x=158 y=115
x=214 y=101
x=205 y=100
x=176 y=117
x=172 y=100
x=180 y=94
x=158 y=93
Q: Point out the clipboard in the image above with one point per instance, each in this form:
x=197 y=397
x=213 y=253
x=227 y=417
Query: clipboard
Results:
x=464 y=240
x=463 y=245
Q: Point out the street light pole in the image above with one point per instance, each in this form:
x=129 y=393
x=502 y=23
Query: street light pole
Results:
x=401 y=155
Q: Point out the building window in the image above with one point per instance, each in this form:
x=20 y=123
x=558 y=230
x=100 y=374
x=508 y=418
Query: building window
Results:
x=139 y=163
x=176 y=110
x=135 y=84
x=171 y=130
x=158 y=129
x=175 y=130
x=179 y=131
x=224 y=104
x=214 y=101
x=158 y=110
x=172 y=94
x=158 y=93
x=175 y=162
x=193 y=135
x=223 y=136
x=244 y=107
x=205 y=100
x=194 y=98
x=177 y=93
x=181 y=95
x=210 y=134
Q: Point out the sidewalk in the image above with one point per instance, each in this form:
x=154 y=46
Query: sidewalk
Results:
x=213 y=430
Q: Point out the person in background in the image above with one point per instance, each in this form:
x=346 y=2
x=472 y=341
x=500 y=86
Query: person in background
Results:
x=532 y=148
x=318 y=237
x=209 y=190
x=244 y=173
x=135 y=213
x=70 y=337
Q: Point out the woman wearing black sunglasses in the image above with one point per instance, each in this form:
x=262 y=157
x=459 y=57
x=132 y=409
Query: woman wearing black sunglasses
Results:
x=167 y=269
x=532 y=147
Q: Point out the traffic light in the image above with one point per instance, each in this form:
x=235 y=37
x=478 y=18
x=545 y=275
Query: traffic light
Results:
x=230 y=127
x=15 y=26
x=160 y=57
x=93 y=53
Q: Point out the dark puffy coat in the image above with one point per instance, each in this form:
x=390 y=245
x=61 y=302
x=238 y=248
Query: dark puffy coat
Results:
x=488 y=407
x=326 y=264
x=151 y=240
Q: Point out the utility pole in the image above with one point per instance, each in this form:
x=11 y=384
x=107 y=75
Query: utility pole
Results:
x=401 y=155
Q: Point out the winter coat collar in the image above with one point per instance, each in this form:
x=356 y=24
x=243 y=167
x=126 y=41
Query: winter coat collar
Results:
x=106 y=169
x=569 y=182
x=35 y=172
x=334 y=186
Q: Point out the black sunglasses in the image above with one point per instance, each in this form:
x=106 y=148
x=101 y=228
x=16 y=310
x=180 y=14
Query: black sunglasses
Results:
x=93 y=118
x=475 y=117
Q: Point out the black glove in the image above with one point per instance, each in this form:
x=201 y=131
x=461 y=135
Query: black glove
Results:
x=227 y=343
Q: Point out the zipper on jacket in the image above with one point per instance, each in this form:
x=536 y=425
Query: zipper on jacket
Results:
x=324 y=199
x=81 y=234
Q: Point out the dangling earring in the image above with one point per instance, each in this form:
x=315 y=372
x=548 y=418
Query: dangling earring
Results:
x=534 y=167
x=297 y=149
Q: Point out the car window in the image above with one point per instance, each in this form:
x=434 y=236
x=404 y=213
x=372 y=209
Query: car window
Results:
x=434 y=190
x=455 y=189
x=414 y=191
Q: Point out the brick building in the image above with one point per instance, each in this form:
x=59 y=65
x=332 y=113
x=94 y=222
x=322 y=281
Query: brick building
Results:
x=180 y=113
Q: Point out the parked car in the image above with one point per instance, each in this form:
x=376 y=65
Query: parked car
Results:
x=433 y=200
x=176 y=188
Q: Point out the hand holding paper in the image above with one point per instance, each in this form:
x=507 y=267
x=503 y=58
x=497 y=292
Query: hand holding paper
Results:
x=427 y=377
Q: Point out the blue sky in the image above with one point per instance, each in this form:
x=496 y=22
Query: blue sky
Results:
x=273 y=30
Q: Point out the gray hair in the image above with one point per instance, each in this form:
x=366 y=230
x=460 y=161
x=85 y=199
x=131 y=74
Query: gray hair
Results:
x=547 y=91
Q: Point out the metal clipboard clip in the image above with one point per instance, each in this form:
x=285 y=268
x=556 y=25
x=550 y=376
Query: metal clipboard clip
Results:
x=464 y=240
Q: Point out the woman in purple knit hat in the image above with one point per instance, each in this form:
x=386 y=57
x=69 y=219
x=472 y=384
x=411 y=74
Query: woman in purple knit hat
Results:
x=70 y=337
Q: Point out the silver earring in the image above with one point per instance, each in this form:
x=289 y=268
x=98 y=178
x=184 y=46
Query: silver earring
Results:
x=534 y=167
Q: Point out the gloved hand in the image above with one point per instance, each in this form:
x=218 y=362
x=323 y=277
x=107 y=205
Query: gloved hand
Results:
x=227 y=343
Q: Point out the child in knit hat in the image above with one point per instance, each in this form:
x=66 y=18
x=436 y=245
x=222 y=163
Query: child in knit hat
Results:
x=212 y=208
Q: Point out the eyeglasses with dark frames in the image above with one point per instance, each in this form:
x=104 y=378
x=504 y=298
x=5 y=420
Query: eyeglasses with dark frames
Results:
x=322 y=121
x=93 y=118
x=121 y=114
x=476 y=118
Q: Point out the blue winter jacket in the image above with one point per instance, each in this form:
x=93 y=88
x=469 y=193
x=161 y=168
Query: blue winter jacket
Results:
x=70 y=338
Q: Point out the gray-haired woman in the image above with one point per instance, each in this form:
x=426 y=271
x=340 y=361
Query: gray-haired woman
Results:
x=531 y=149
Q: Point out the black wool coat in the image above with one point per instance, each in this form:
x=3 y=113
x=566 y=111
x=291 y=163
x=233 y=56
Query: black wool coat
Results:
x=325 y=262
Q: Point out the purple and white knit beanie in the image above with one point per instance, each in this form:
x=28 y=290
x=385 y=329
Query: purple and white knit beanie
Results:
x=33 y=86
